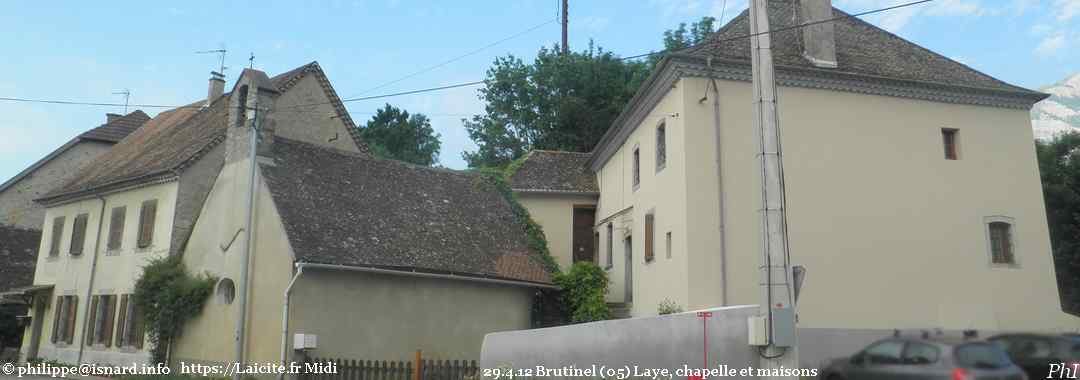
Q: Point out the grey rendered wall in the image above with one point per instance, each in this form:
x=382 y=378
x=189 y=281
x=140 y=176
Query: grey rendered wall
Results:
x=17 y=205
x=388 y=317
x=667 y=341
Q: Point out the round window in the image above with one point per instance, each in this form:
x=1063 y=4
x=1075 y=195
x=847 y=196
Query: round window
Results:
x=226 y=291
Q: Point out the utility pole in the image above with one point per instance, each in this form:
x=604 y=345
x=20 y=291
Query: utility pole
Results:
x=777 y=300
x=565 y=23
x=242 y=290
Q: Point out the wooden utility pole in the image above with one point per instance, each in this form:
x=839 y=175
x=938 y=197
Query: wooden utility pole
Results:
x=777 y=298
x=565 y=23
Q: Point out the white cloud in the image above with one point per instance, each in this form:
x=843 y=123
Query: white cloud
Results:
x=1050 y=45
x=1066 y=9
x=896 y=19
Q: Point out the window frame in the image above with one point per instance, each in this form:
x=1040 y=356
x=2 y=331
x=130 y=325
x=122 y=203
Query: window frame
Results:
x=77 y=243
x=117 y=221
x=950 y=138
x=635 y=167
x=145 y=237
x=988 y=223
x=65 y=315
x=667 y=244
x=649 y=231
x=57 y=236
x=661 y=145
x=610 y=245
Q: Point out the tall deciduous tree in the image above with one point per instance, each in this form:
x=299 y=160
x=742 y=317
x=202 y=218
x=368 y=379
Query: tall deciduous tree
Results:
x=395 y=134
x=1059 y=166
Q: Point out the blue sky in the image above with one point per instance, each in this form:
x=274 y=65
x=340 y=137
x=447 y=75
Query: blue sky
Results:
x=85 y=51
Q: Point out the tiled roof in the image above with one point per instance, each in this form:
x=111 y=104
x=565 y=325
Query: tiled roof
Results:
x=861 y=48
x=554 y=171
x=18 y=255
x=350 y=209
x=118 y=128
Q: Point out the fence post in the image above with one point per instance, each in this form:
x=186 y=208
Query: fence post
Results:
x=417 y=367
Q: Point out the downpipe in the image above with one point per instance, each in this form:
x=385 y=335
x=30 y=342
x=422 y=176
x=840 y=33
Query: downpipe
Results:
x=285 y=318
x=90 y=286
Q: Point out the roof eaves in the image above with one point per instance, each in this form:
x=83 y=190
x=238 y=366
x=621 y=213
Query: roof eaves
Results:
x=554 y=191
x=413 y=271
x=123 y=184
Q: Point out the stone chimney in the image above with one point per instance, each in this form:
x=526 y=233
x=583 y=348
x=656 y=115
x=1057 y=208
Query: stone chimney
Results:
x=819 y=40
x=217 y=87
x=109 y=117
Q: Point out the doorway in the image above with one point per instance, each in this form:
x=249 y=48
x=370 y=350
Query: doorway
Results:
x=628 y=248
x=582 y=239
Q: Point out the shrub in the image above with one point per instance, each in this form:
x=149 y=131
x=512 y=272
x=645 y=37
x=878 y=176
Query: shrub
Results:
x=168 y=296
x=668 y=307
x=583 y=290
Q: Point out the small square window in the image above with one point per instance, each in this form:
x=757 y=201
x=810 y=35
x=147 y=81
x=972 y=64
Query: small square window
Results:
x=949 y=140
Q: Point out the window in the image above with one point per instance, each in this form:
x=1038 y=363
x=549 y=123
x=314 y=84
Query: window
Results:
x=64 y=321
x=981 y=355
x=610 y=245
x=226 y=291
x=129 y=329
x=667 y=244
x=78 y=234
x=146 y=223
x=102 y=315
x=116 y=228
x=920 y=354
x=650 y=242
x=596 y=247
x=661 y=147
x=948 y=138
x=887 y=352
x=637 y=167
x=1001 y=243
x=57 y=233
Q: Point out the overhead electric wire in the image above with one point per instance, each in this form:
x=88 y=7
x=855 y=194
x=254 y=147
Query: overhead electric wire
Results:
x=474 y=83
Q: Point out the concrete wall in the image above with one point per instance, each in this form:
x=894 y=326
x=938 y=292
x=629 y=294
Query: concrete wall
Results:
x=117 y=270
x=660 y=192
x=668 y=341
x=389 y=317
x=17 y=205
x=555 y=214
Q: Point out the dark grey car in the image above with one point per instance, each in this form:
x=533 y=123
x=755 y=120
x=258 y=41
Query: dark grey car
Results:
x=927 y=358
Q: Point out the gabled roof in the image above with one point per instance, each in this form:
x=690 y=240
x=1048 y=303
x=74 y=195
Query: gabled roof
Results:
x=18 y=255
x=351 y=209
x=548 y=171
x=176 y=138
x=118 y=128
x=861 y=48
x=110 y=132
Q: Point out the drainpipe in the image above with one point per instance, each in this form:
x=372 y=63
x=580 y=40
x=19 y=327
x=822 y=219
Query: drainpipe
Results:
x=285 y=317
x=719 y=186
x=93 y=271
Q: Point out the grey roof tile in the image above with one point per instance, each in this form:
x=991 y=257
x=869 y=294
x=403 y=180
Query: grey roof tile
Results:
x=554 y=171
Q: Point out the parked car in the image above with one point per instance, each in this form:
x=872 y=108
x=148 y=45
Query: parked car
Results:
x=1035 y=353
x=933 y=358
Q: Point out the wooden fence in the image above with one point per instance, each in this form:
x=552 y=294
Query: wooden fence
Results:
x=395 y=370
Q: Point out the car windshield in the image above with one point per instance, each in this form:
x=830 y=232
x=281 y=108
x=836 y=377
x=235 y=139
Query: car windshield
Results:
x=1025 y=347
x=981 y=356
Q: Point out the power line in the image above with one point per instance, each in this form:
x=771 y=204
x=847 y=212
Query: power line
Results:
x=786 y=28
x=473 y=83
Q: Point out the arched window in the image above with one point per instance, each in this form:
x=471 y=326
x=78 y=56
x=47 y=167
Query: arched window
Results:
x=226 y=291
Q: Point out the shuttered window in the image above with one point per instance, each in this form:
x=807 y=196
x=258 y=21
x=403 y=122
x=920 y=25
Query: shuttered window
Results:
x=102 y=315
x=146 y=223
x=57 y=314
x=92 y=330
x=637 y=167
x=610 y=245
x=64 y=323
x=1001 y=245
x=57 y=233
x=78 y=234
x=650 y=249
x=116 y=227
x=661 y=147
x=948 y=139
x=129 y=327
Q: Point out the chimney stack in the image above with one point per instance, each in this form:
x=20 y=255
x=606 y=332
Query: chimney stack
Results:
x=109 y=117
x=819 y=40
x=217 y=87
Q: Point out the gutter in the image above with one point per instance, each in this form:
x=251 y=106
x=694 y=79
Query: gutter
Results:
x=448 y=276
x=90 y=287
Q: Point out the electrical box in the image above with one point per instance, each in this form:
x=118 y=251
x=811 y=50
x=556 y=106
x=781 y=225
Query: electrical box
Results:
x=305 y=341
x=783 y=329
x=757 y=331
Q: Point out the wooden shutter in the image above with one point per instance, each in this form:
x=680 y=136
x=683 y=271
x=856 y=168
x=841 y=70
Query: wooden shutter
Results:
x=110 y=318
x=91 y=329
x=121 y=323
x=139 y=335
x=649 y=240
x=146 y=223
x=57 y=232
x=73 y=311
x=56 y=319
x=78 y=234
x=116 y=227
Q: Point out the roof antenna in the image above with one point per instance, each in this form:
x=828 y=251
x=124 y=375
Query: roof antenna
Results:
x=221 y=57
x=127 y=96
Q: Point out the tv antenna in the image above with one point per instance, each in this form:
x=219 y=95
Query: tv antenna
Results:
x=127 y=96
x=221 y=57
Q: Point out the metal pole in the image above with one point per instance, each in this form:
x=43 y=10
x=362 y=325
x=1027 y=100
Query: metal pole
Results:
x=777 y=302
x=241 y=321
x=565 y=23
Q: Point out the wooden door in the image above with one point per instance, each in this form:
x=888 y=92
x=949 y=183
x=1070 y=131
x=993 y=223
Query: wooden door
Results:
x=583 y=245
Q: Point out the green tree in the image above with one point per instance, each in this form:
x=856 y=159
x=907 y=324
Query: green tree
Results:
x=561 y=102
x=681 y=37
x=1059 y=166
x=395 y=134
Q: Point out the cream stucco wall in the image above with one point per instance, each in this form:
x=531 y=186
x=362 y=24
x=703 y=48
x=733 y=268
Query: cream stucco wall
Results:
x=892 y=234
x=117 y=270
x=555 y=214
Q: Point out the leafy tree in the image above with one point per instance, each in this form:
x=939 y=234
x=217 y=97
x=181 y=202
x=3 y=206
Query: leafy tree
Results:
x=395 y=134
x=1059 y=166
x=560 y=102
x=681 y=37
